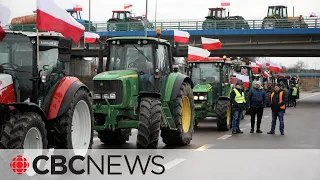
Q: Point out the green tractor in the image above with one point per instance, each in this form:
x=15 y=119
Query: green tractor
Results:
x=126 y=21
x=217 y=19
x=212 y=89
x=142 y=90
x=277 y=17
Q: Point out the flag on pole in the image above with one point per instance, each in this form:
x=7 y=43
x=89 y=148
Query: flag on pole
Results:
x=77 y=7
x=244 y=79
x=273 y=67
x=90 y=37
x=181 y=36
x=5 y=14
x=225 y=3
x=313 y=14
x=210 y=44
x=50 y=17
x=127 y=6
x=195 y=53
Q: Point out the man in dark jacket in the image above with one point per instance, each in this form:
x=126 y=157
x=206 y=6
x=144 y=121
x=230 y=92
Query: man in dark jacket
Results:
x=257 y=100
x=278 y=102
x=238 y=101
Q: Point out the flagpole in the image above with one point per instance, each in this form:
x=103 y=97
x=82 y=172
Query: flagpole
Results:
x=38 y=49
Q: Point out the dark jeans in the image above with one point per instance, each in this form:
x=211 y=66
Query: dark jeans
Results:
x=294 y=101
x=237 y=115
x=276 y=115
x=256 y=111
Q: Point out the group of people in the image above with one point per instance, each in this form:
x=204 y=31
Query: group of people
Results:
x=293 y=95
x=256 y=102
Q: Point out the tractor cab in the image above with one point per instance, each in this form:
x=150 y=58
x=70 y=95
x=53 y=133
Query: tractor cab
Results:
x=31 y=78
x=217 y=13
x=122 y=15
x=280 y=12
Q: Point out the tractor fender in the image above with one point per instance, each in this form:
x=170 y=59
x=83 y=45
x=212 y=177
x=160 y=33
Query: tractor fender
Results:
x=177 y=84
x=29 y=107
x=63 y=95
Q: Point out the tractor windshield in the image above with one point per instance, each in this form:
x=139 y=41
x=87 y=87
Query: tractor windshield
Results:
x=205 y=71
x=131 y=56
x=16 y=53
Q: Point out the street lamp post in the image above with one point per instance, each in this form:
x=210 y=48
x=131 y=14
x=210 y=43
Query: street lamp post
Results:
x=89 y=15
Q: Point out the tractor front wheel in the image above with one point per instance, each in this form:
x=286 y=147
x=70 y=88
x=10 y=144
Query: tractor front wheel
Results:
x=149 y=123
x=183 y=113
x=223 y=111
x=75 y=127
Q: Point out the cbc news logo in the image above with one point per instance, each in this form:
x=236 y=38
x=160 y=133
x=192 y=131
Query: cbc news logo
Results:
x=19 y=164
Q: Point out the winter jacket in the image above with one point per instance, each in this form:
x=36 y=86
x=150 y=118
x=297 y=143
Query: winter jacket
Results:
x=257 y=98
x=275 y=104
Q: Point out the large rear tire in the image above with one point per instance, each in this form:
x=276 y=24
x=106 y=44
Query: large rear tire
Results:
x=75 y=127
x=183 y=113
x=25 y=130
x=149 y=123
x=223 y=111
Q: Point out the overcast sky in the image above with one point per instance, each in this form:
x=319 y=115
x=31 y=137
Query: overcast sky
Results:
x=101 y=10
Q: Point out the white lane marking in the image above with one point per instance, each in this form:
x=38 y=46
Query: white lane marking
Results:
x=172 y=163
x=204 y=147
x=308 y=96
x=224 y=137
x=249 y=124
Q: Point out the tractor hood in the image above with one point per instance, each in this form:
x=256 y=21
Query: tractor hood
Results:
x=113 y=75
x=202 y=88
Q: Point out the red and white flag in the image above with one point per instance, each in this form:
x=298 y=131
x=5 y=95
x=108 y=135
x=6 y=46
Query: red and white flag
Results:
x=195 y=53
x=50 y=17
x=273 y=67
x=254 y=67
x=181 y=36
x=265 y=74
x=127 y=6
x=210 y=44
x=90 y=37
x=225 y=3
x=313 y=14
x=77 y=7
x=5 y=14
x=245 y=79
x=258 y=64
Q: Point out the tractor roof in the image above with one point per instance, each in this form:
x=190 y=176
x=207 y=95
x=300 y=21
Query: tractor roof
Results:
x=33 y=34
x=217 y=8
x=282 y=6
x=138 y=38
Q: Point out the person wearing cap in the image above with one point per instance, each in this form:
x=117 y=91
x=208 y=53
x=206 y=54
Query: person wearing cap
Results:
x=238 y=101
x=257 y=99
x=278 y=102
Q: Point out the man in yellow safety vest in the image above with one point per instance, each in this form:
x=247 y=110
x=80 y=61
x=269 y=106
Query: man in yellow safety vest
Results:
x=238 y=101
x=278 y=101
x=294 y=96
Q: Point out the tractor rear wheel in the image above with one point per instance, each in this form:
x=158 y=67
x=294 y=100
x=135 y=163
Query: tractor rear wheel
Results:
x=183 y=113
x=117 y=137
x=75 y=127
x=149 y=123
x=25 y=130
x=223 y=111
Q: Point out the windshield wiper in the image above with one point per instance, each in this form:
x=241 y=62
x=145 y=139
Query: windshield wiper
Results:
x=141 y=53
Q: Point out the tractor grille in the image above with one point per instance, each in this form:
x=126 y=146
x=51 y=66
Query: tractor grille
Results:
x=107 y=87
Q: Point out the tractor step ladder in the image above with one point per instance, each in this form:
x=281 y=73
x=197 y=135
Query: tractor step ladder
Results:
x=168 y=119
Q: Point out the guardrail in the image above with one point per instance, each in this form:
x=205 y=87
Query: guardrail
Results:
x=189 y=25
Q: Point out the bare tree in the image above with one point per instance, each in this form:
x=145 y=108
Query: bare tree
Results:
x=299 y=66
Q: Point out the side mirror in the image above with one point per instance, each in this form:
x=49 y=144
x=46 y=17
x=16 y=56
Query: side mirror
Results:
x=175 y=68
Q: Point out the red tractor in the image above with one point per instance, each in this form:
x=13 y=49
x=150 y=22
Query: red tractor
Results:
x=40 y=107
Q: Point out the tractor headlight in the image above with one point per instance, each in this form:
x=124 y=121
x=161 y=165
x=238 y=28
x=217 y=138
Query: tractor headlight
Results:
x=112 y=95
x=96 y=96
x=106 y=96
x=202 y=98
x=195 y=97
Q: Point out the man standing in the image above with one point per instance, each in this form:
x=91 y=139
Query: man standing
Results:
x=294 y=96
x=238 y=101
x=257 y=100
x=278 y=101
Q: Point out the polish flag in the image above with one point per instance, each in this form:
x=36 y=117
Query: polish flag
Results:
x=274 y=67
x=313 y=14
x=181 y=36
x=258 y=64
x=225 y=3
x=77 y=7
x=244 y=79
x=210 y=44
x=90 y=37
x=195 y=54
x=254 y=67
x=127 y=6
x=50 y=17
x=265 y=74
x=5 y=14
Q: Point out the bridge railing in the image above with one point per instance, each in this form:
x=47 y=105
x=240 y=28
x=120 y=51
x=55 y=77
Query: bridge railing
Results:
x=189 y=25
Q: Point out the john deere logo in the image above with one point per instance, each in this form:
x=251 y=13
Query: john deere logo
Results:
x=101 y=84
